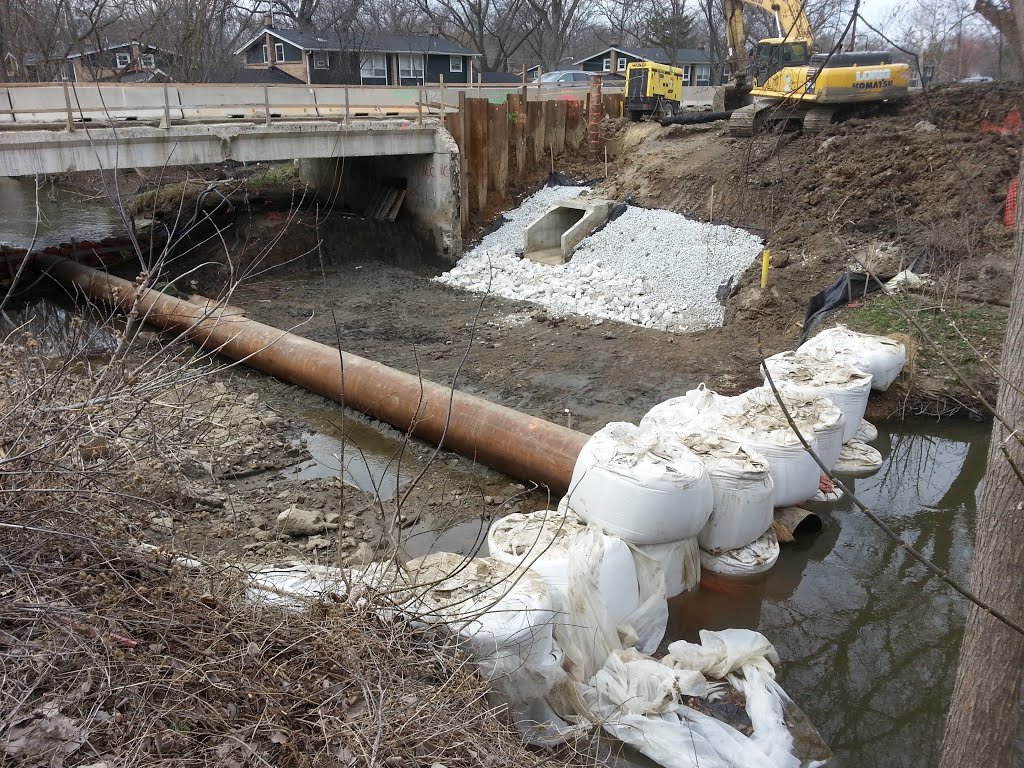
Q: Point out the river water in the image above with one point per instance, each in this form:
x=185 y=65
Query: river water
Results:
x=64 y=215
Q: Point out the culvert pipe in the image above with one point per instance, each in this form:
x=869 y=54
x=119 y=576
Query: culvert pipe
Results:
x=525 y=447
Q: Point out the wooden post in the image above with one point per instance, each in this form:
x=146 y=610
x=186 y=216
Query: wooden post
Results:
x=67 y=104
x=346 y=106
x=479 y=84
x=497 y=145
x=419 y=101
x=465 y=124
x=266 y=102
x=516 y=105
x=524 y=73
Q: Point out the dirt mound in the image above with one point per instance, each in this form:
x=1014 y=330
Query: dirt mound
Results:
x=925 y=177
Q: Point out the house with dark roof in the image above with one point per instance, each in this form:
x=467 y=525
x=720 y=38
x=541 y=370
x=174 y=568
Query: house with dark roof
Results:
x=128 y=62
x=287 y=55
x=612 y=61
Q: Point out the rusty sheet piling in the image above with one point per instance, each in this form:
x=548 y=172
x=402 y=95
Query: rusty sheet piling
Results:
x=523 y=446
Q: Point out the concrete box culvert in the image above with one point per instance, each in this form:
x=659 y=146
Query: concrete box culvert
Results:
x=553 y=237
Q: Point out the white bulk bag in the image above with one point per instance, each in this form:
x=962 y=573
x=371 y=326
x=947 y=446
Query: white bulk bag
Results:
x=680 y=563
x=794 y=472
x=743 y=489
x=880 y=356
x=543 y=541
x=866 y=432
x=847 y=387
x=676 y=413
x=497 y=609
x=632 y=484
x=827 y=422
x=858 y=459
x=745 y=561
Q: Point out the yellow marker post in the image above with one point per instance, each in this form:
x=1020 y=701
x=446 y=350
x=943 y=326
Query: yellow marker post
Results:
x=766 y=259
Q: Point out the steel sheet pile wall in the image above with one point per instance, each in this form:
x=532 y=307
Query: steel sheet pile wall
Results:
x=502 y=141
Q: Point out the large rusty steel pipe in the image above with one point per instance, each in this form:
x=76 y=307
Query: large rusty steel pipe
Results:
x=523 y=446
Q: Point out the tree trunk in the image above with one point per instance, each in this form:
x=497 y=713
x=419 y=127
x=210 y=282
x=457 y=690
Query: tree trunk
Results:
x=984 y=711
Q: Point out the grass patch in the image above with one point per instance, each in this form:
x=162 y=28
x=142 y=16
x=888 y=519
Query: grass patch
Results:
x=969 y=334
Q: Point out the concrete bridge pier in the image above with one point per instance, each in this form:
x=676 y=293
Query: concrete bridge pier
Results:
x=432 y=203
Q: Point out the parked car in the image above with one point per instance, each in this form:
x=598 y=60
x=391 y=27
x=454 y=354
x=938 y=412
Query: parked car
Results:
x=565 y=78
x=977 y=79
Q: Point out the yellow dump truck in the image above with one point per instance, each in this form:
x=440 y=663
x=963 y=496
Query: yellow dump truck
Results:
x=652 y=89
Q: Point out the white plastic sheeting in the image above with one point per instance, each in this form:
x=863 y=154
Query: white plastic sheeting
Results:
x=633 y=484
x=586 y=633
x=674 y=414
x=679 y=561
x=825 y=420
x=847 y=387
x=746 y=561
x=543 y=541
x=641 y=702
x=858 y=458
x=742 y=485
x=880 y=356
x=793 y=470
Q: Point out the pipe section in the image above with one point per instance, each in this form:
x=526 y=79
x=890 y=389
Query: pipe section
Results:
x=525 y=447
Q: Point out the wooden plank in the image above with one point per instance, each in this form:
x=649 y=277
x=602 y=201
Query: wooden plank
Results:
x=478 y=153
x=497 y=144
x=550 y=116
x=516 y=105
x=558 y=139
x=534 y=133
x=397 y=205
x=572 y=124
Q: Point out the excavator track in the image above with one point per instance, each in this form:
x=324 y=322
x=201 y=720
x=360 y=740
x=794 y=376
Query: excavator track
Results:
x=746 y=121
x=818 y=119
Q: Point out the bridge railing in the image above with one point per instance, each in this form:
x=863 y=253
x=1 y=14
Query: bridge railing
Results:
x=71 y=103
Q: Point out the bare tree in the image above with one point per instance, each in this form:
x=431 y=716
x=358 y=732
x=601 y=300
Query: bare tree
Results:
x=494 y=28
x=984 y=712
x=554 y=23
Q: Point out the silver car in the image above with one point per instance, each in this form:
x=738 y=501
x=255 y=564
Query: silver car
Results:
x=565 y=78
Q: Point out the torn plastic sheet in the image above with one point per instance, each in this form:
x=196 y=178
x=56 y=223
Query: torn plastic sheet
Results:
x=755 y=558
x=655 y=706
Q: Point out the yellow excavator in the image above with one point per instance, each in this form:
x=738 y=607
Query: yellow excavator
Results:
x=787 y=80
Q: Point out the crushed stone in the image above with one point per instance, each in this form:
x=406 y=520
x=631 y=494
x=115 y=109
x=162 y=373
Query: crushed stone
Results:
x=649 y=267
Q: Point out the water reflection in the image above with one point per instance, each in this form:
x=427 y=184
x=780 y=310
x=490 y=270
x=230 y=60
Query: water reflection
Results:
x=65 y=215
x=869 y=642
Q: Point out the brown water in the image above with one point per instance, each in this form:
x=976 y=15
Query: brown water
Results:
x=64 y=214
x=868 y=641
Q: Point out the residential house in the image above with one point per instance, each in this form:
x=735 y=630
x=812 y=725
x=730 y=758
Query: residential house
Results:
x=695 y=62
x=122 y=62
x=287 y=55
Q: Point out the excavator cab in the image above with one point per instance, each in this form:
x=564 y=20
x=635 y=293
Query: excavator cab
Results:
x=770 y=56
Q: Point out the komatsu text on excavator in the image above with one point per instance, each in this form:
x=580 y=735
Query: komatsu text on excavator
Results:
x=787 y=80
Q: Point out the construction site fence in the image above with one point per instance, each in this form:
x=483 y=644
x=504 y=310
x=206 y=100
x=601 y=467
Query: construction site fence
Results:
x=70 y=104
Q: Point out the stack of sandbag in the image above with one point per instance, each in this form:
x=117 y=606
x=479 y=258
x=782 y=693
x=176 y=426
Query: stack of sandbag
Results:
x=793 y=471
x=674 y=414
x=880 y=356
x=742 y=486
x=813 y=414
x=634 y=484
x=836 y=378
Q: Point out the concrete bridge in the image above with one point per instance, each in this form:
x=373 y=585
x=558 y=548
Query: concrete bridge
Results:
x=347 y=162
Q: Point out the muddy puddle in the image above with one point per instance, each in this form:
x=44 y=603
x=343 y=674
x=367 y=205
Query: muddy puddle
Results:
x=356 y=452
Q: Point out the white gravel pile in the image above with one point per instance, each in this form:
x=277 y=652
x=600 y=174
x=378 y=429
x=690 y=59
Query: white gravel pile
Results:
x=652 y=268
